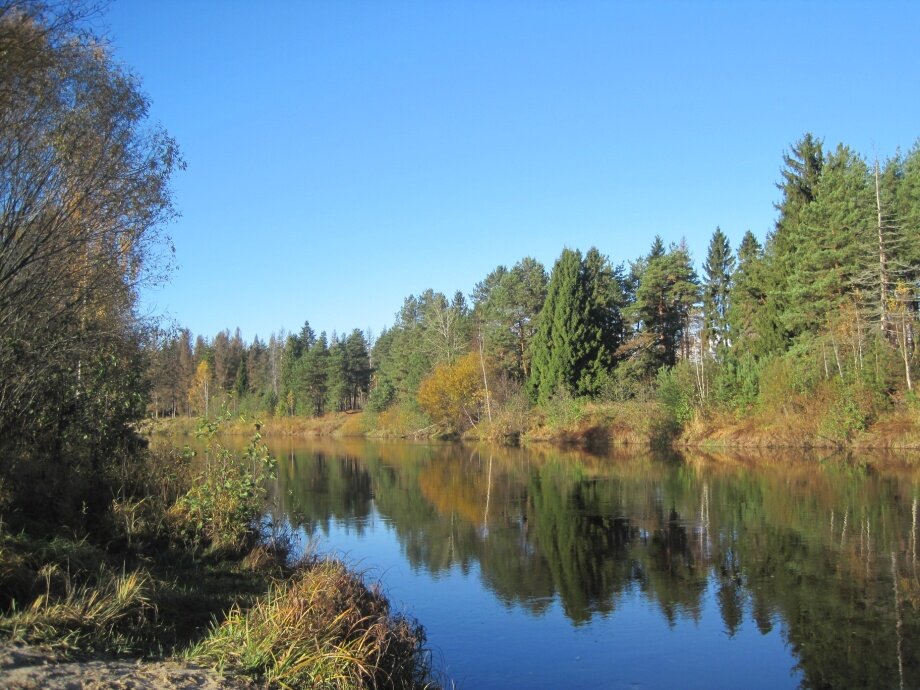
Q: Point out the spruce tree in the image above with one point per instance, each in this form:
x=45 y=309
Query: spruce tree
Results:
x=717 y=270
x=753 y=325
x=834 y=250
x=560 y=342
x=605 y=327
x=803 y=167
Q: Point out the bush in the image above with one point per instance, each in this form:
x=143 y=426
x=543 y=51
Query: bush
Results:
x=223 y=506
x=453 y=394
x=402 y=418
x=625 y=382
x=511 y=415
x=736 y=382
x=381 y=397
x=563 y=410
x=676 y=388
x=850 y=409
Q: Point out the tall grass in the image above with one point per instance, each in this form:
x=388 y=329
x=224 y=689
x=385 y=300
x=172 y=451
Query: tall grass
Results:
x=100 y=610
x=323 y=628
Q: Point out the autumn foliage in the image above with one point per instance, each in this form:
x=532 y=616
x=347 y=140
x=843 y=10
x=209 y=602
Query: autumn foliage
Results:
x=454 y=394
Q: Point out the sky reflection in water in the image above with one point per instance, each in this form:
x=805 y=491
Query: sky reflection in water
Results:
x=548 y=569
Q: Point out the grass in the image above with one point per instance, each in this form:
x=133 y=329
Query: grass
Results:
x=801 y=421
x=321 y=628
x=102 y=614
x=180 y=568
x=600 y=425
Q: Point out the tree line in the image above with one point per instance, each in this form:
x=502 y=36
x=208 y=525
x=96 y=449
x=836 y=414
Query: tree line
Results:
x=829 y=298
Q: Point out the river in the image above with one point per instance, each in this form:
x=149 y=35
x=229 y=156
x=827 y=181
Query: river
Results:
x=542 y=568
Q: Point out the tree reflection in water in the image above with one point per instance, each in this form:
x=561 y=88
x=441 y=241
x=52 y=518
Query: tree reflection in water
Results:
x=826 y=547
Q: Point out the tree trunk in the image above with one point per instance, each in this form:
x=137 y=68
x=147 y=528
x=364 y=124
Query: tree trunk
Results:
x=485 y=381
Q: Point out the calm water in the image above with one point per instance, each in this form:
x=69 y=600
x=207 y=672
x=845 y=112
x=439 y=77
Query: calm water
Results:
x=561 y=570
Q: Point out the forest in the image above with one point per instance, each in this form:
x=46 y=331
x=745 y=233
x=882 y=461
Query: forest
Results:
x=107 y=546
x=110 y=545
x=820 y=318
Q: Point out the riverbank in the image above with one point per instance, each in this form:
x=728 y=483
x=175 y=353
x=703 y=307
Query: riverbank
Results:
x=24 y=667
x=184 y=572
x=602 y=425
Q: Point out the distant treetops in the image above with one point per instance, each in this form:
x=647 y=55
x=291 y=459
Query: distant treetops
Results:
x=839 y=272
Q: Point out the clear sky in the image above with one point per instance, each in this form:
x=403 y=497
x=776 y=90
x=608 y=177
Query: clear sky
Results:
x=343 y=155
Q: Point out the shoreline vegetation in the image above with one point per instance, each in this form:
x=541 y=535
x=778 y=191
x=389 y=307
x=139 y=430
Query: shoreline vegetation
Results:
x=187 y=570
x=805 y=339
x=598 y=426
x=108 y=547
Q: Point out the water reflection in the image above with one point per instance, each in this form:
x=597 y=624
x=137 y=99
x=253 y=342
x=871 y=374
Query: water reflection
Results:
x=827 y=550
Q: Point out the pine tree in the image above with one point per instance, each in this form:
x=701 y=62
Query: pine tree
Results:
x=507 y=306
x=337 y=376
x=358 y=367
x=315 y=374
x=667 y=290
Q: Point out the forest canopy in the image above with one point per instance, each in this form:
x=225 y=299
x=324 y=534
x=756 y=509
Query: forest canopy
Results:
x=824 y=306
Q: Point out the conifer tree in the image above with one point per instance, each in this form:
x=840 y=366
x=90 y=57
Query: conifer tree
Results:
x=835 y=252
x=604 y=320
x=754 y=330
x=667 y=290
x=803 y=166
x=559 y=345
x=507 y=306
x=717 y=270
x=358 y=367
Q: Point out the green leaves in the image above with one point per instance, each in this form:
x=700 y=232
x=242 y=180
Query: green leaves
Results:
x=224 y=505
x=580 y=326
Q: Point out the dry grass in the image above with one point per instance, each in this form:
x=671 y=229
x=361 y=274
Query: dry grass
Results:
x=323 y=628
x=331 y=424
x=600 y=425
x=801 y=424
x=98 y=611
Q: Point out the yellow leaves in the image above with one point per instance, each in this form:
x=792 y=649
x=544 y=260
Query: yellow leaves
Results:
x=199 y=392
x=453 y=394
x=898 y=303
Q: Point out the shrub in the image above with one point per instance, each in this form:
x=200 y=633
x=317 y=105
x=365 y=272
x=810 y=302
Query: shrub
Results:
x=850 y=409
x=625 y=382
x=453 y=394
x=381 y=397
x=736 y=382
x=223 y=506
x=563 y=410
x=676 y=388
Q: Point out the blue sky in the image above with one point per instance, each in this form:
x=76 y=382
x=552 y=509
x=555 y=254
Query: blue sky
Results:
x=343 y=155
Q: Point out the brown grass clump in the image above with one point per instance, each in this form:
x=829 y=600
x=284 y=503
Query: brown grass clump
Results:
x=323 y=628
x=353 y=425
